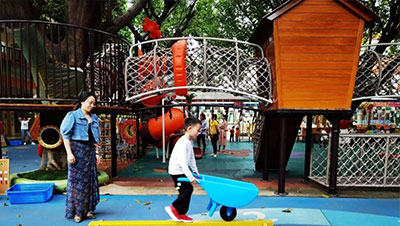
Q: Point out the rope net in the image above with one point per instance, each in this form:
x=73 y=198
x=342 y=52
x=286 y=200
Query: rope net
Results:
x=210 y=66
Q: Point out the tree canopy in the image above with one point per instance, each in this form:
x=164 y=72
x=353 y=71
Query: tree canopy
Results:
x=212 y=18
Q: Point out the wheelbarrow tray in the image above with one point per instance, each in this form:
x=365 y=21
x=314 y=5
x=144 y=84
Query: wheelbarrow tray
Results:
x=228 y=192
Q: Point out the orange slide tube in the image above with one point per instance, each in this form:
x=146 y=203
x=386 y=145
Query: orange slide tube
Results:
x=172 y=124
x=179 y=61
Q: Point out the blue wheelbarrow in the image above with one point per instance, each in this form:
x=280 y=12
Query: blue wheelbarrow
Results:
x=230 y=194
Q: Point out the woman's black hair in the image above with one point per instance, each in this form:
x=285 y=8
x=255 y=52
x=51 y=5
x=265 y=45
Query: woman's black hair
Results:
x=82 y=97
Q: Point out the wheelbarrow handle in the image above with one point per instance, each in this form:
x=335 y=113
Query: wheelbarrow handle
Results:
x=185 y=179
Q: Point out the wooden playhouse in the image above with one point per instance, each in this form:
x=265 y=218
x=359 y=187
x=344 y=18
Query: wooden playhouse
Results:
x=313 y=47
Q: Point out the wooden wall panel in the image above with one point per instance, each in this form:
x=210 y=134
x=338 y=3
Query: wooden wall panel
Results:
x=299 y=57
x=317 y=55
x=321 y=65
x=309 y=32
x=319 y=16
x=317 y=41
x=317 y=49
x=317 y=24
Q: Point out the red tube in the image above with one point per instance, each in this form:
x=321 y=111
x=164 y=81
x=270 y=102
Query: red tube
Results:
x=173 y=124
x=179 y=61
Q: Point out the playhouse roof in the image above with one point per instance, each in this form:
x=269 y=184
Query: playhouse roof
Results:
x=265 y=28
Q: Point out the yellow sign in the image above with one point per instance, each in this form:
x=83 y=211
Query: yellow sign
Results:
x=4 y=175
x=197 y=223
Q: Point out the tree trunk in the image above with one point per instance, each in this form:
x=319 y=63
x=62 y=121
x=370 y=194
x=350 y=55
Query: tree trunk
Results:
x=81 y=13
x=55 y=159
x=18 y=10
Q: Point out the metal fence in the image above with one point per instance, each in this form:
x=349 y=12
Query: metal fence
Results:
x=378 y=73
x=43 y=62
x=364 y=160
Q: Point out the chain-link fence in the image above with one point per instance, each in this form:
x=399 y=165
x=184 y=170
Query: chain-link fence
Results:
x=211 y=65
x=364 y=160
x=378 y=73
x=257 y=135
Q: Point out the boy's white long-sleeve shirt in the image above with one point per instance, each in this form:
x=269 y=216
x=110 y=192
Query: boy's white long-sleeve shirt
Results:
x=182 y=158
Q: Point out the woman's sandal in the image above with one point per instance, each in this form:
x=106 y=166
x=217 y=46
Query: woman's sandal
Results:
x=90 y=216
x=77 y=219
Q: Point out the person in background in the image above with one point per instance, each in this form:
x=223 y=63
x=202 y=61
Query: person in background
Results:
x=214 y=133
x=25 y=129
x=232 y=134
x=369 y=130
x=2 y=132
x=237 y=134
x=382 y=130
x=374 y=131
x=392 y=127
x=80 y=130
x=181 y=165
x=223 y=128
x=203 y=132
x=353 y=129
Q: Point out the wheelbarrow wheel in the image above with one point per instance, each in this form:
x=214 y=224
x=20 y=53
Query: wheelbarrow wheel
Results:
x=224 y=213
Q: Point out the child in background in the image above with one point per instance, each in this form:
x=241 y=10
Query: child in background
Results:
x=181 y=164
x=232 y=134
x=237 y=133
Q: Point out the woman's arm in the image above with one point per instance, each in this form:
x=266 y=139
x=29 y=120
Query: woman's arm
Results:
x=66 y=130
x=70 y=155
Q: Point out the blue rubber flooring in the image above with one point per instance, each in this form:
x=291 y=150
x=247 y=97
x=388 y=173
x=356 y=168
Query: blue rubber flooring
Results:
x=225 y=165
x=304 y=211
x=22 y=158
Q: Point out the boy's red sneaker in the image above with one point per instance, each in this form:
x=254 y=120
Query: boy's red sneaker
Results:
x=173 y=213
x=186 y=218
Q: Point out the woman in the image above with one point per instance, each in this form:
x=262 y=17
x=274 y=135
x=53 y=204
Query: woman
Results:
x=222 y=134
x=203 y=131
x=214 y=133
x=80 y=131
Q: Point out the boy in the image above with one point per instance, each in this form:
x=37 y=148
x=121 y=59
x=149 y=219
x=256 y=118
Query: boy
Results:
x=182 y=158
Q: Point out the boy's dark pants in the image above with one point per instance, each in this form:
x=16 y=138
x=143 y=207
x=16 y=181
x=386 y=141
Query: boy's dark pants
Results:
x=185 y=192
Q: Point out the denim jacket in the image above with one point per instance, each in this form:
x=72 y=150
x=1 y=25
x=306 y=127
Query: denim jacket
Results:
x=75 y=126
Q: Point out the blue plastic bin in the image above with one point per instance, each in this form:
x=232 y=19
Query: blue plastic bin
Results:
x=30 y=193
x=15 y=142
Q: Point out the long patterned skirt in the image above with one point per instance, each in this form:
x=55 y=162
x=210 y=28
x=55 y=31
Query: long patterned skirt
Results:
x=82 y=188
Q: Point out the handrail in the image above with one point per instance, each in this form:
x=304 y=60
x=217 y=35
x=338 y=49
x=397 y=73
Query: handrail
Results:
x=194 y=38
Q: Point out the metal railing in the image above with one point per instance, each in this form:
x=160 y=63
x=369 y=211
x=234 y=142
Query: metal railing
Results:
x=364 y=160
x=211 y=64
x=42 y=62
x=378 y=74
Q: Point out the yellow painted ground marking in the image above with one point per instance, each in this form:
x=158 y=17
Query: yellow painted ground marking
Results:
x=169 y=222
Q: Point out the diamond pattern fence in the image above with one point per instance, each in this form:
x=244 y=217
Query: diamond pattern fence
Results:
x=257 y=135
x=378 y=73
x=364 y=160
x=211 y=64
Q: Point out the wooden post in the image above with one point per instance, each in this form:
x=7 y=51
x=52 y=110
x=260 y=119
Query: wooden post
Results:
x=137 y=131
x=1 y=144
x=282 y=157
x=307 y=158
x=113 y=146
x=334 y=156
